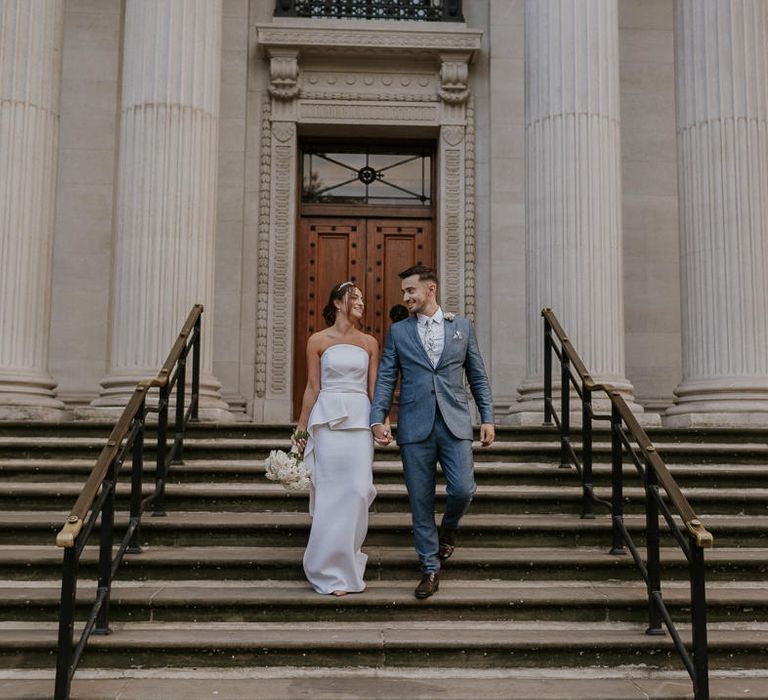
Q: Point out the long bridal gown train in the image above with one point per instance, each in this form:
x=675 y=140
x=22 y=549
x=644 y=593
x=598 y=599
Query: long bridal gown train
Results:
x=339 y=453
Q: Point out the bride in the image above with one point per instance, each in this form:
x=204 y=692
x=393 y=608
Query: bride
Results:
x=342 y=363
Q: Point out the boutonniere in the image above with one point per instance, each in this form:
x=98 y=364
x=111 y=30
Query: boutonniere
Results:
x=449 y=315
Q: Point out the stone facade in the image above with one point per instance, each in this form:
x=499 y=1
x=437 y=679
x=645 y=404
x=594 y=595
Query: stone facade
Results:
x=538 y=172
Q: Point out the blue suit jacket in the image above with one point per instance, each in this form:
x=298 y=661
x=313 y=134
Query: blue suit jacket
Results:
x=424 y=387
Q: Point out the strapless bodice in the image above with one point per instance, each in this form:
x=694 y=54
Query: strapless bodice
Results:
x=344 y=369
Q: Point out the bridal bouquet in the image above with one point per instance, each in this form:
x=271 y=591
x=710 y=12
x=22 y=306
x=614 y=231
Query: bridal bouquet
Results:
x=288 y=468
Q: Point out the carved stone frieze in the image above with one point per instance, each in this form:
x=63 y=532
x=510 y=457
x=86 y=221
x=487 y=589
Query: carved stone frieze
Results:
x=372 y=85
x=369 y=113
x=349 y=36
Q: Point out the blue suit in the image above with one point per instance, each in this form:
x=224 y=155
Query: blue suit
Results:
x=434 y=423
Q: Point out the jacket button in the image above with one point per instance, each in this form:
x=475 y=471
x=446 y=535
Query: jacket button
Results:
x=433 y=392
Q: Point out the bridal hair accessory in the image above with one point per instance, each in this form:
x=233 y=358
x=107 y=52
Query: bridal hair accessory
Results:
x=346 y=284
x=288 y=468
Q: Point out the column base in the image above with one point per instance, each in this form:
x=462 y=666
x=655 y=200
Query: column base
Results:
x=116 y=391
x=724 y=402
x=30 y=397
x=529 y=409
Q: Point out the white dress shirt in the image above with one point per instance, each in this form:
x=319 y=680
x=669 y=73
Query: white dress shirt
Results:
x=438 y=332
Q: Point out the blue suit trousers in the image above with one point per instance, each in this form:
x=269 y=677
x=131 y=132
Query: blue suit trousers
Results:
x=420 y=466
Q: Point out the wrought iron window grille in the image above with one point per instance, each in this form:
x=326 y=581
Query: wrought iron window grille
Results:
x=418 y=10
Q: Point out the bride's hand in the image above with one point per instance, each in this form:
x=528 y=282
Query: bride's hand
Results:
x=299 y=440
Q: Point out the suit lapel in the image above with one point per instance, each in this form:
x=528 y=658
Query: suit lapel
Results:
x=447 y=341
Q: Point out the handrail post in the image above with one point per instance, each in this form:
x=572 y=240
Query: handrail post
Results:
x=194 y=398
x=565 y=409
x=653 y=563
x=547 y=372
x=105 y=551
x=66 y=624
x=177 y=452
x=699 y=621
x=158 y=506
x=617 y=481
x=587 y=511
x=137 y=473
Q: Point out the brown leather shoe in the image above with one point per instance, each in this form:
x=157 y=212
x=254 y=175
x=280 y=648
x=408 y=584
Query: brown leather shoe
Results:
x=447 y=543
x=428 y=585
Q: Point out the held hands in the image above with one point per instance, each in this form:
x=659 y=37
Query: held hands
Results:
x=487 y=434
x=382 y=434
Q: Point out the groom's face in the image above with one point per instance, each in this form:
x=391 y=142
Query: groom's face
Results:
x=418 y=296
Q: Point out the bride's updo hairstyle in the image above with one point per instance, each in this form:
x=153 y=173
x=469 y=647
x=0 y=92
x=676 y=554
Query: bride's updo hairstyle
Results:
x=340 y=292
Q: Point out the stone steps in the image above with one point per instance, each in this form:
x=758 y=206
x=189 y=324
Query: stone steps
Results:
x=390 y=497
x=269 y=601
x=51 y=447
x=27 y=562
x=242 y=470
x=463 y=644
x=220 y=583
x=577 y=683
x=185 y=528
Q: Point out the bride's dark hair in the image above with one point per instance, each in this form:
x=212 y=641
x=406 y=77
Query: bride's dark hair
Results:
x=338 y=293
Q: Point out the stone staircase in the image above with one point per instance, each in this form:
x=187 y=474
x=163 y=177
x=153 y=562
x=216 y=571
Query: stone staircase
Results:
x=531 y=604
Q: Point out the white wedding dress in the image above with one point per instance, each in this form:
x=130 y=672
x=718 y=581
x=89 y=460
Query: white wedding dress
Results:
x=339 y=454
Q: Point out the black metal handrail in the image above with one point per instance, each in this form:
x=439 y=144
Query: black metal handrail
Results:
x=97 y=499
x=625 y=430
x=419 y=10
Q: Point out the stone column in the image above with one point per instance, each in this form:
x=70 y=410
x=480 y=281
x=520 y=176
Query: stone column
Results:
x=573 y=190
x=722 y=126
x=30 y=83
x=165 y=223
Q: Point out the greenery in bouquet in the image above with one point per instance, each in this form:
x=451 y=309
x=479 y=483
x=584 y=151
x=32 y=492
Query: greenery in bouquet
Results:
x=288 y=468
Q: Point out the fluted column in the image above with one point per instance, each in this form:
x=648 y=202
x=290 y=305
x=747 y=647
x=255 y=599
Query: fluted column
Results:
x=573 y=191
x=722 y=126
x=30 y=83
x=164 y=256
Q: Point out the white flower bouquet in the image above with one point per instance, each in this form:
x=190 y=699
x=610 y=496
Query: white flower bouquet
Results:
x=288 y=468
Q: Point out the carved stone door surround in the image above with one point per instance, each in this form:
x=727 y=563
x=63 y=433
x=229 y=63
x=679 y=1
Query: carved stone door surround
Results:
x=397 y=75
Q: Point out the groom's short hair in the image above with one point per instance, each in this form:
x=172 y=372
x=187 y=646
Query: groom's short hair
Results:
x=426 y=274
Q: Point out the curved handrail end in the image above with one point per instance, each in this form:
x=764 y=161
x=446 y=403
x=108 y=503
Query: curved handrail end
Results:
x=703 y=537
x=68 y=534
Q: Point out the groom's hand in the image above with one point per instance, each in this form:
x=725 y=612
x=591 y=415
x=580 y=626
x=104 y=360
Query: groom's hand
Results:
x=381 y=434
x=487 y=434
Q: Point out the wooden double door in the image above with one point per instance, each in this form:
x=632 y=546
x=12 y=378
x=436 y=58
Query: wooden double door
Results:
x=368 y=251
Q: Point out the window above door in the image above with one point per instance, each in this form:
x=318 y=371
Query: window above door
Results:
x=395 y=176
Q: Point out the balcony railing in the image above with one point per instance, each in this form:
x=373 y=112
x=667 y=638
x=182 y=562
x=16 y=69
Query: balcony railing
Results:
x=419 y=10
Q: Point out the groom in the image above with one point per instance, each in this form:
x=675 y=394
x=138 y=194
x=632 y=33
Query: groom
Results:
x=432 y=351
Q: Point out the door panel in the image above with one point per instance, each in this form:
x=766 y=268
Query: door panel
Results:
x=393 y=246
x=328 y=252
x=369 y=252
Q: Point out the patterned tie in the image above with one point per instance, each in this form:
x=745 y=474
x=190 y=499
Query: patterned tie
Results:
x=430 y=340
